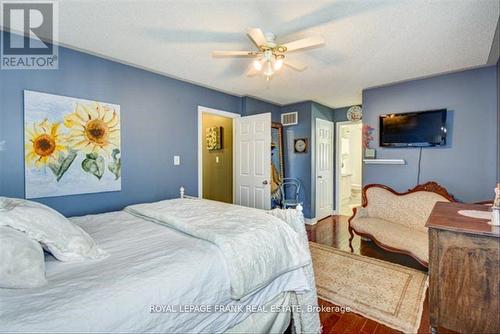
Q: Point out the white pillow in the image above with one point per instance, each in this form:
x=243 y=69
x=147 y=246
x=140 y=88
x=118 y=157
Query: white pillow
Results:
x=22 y=262
x=65 y=240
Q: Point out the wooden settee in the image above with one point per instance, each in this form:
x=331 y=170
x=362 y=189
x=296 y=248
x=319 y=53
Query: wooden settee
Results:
x=396 y=221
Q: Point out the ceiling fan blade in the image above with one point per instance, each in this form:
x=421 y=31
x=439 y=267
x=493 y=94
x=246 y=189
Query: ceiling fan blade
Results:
x=257 y=36
x=304 y=43
x=295 y=64
x=235 y=53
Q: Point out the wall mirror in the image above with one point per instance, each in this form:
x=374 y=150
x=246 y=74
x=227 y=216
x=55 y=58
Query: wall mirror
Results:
x=277 y=161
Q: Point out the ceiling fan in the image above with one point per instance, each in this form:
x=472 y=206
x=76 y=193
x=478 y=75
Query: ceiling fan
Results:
x=271 y=56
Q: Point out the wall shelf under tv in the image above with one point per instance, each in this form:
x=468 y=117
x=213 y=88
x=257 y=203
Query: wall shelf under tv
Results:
x=384 y=161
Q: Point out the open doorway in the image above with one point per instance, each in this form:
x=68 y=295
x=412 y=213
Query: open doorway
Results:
x=234 y=157
x=215 y=154
x=349 y=166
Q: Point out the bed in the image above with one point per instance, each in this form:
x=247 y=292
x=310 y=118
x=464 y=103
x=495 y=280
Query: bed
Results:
x=156 y=279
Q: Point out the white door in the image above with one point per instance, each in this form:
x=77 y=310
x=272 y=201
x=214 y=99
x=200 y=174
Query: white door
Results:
x=252 y=163
x=324 y=168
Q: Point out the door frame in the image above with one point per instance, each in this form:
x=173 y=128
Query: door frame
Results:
x=201 y=110
x=314 y=172
x=338 y=167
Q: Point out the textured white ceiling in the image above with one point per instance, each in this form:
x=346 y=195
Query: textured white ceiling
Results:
x=368 y=43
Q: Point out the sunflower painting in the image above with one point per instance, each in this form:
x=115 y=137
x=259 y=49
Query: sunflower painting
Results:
x=72 y=146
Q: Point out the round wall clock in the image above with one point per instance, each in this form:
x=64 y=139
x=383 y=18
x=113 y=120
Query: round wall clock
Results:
x=354 y=113
x=300 y=145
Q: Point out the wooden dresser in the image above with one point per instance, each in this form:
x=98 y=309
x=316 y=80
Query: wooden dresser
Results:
x=464 y=265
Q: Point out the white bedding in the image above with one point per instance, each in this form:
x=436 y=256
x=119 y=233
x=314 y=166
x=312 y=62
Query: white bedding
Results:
x=257 y=247
x=148 y=265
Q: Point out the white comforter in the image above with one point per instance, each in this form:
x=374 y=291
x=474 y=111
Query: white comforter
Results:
x=148 y=265
x=257 y=247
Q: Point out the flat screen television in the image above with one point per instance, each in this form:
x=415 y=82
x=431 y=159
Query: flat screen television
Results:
x=415 y=129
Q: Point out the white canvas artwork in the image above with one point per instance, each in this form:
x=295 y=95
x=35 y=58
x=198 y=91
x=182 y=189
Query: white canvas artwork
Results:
x=72 y=146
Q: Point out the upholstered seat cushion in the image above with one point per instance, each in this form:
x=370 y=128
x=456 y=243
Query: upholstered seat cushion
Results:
x=394 y=235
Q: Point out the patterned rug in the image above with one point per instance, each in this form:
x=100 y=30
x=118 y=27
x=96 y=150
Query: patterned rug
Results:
x=384 y=292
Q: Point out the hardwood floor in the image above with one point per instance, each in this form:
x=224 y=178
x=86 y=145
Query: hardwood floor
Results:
x=350 y=323
x=333 y=231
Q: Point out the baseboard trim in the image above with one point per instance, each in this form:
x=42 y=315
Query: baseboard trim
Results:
x=310 y=221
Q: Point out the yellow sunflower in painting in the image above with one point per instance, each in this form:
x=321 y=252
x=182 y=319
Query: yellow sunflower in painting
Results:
x=93 y=127
x=44 y=143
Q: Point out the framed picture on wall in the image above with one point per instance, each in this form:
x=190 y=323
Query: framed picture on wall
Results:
x=72 y=145
x=214 y=138
x=300 y=145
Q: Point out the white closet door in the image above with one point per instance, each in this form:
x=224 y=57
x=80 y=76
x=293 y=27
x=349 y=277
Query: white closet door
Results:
x=324 y=168
x=253 y=161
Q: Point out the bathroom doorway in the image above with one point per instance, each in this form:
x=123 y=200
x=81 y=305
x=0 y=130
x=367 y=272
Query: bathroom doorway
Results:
x=349 y=167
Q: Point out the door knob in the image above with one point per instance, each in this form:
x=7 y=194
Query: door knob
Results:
x=264 y=182
x=320 y=177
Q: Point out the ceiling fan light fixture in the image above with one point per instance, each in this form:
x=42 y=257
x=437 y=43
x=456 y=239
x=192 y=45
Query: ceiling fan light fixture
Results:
x=278 y=64
x=257 y=65
x=270 y=56
x=269 y=69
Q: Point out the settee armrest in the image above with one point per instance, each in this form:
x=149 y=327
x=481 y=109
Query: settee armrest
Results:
x=360 y=212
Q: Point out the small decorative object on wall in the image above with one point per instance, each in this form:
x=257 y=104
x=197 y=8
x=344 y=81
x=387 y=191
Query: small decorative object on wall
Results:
x=214 y=138
x=72 y=146
x=354 y=113
x=300 y=145
x=367 y=139
x=367 y=135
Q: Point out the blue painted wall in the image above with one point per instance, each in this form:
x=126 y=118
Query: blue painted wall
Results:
x=298 y=165
x=159 y=120
x=467 y=165
x=340 y=114
x=252 y=106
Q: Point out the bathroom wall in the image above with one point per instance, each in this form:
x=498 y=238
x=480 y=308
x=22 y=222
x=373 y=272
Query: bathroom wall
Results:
x=355 y=150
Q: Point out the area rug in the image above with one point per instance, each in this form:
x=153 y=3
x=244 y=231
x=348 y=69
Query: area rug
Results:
x=384 y=292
